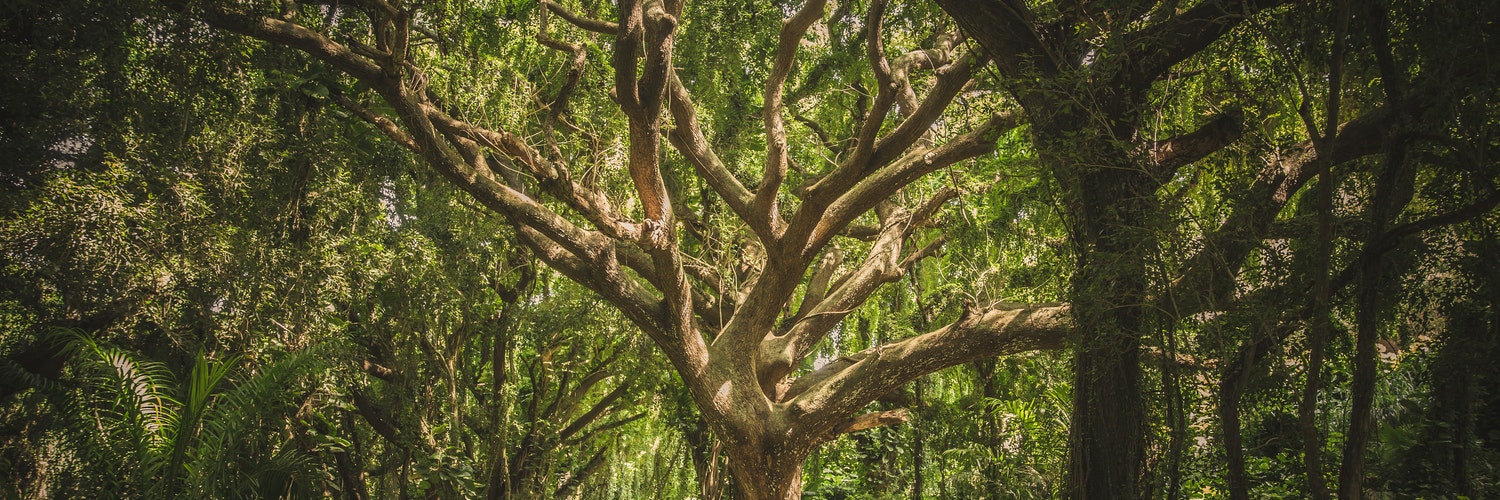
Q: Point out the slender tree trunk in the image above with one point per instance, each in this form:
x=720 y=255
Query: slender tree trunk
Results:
x=1361 y=421
x=499 y=479
x=1392 y=193
x=1453 y=398
x=1317 y=335
x=1231 y=387
x=918 y=448
x=1176 y=418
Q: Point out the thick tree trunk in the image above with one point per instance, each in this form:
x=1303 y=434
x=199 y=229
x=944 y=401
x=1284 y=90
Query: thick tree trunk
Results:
x=766 y=475
x=1106 y=443
x=1112 y=202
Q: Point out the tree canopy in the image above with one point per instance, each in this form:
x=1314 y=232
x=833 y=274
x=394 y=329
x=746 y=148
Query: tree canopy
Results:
x=576 y=249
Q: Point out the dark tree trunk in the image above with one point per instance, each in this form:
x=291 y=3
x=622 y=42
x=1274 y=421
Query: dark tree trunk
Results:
x=1106 y=443
x=1453 y=398
x=1361 y=422
x=1176 y=418
x=1111 y=203
x=1317 y=335
x=1233 y=380
x=1392 y=192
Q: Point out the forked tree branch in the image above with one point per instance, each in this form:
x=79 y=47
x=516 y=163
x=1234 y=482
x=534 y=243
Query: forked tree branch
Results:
x=687 y=137
x=883 y=264
x=1208 y=278
x=884 y=182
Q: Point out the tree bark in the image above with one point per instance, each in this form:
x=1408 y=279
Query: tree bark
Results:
x=1111 y=203
x=766 y=474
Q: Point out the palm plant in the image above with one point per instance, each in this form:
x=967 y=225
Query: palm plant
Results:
x=136 y=430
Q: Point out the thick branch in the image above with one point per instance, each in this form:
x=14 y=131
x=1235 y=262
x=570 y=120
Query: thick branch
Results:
x=1174 y=153
x=291 y=35
x=1154 y=50
x=374 y=416
x=821 y=399
x=872 y=420
x=594 y=25
x=643 y=309
x=1008 y=32
x=871 y=154
x=380 y=371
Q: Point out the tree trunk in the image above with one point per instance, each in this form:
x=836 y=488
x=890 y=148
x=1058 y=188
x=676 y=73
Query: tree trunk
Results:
x=1361 y=420
x=1232 y=383
x=1453 y=385
x=1392 y=193
x=1176 y=417
x=1317 y=335
x=1106 y=443
x=766 y=475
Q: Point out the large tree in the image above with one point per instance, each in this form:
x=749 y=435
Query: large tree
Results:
x=736 y=340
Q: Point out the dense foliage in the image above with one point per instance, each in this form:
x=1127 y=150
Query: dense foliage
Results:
x=1247 y=247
